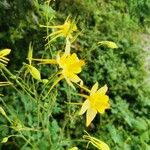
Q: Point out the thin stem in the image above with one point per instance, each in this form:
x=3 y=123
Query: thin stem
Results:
x=53 y=85
x=84 y=88
x=70 y=103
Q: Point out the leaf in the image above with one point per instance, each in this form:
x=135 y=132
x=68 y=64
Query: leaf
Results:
x=140 y=124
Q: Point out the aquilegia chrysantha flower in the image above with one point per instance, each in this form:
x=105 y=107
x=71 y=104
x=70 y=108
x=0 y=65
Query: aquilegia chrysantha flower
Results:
x=66 y=30
x=70 y=65
x=96 y=101
x=4 y=53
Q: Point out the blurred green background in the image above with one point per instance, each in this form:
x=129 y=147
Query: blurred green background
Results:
x=126 y=126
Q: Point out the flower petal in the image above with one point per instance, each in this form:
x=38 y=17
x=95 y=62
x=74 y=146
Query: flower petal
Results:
x=104 y=104
x=84 y=107
x=74 y=78
x=76 y=67
x=90 y=115
x=94 y=88
x=5 y=52
x=67 y=48
x=103 y=89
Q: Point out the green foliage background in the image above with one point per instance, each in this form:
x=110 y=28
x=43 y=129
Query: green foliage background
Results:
x=126 y=126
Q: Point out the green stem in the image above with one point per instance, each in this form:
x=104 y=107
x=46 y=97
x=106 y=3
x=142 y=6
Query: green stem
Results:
x=53 y=85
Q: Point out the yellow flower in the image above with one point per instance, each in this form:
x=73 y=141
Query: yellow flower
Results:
x=66 y=30
x=4 y=53
x=109 y=44
x=96 y=142
x=70 y=66
x=96 y=101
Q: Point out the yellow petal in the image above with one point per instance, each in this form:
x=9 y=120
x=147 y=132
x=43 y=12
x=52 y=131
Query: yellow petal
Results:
x=103 y=89
x=67 y=48
x=84 y=107
x=94 y=88
x=5 y=52
x=103 y=104
x=72 y=58
x=90 y=115
x=74 y=78
x=34 y=72
x=76 y=67
x=3 y=61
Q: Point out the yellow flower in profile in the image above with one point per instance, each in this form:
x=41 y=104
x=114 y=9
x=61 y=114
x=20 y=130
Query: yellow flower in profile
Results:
x=4 y=53
x=96 y=142
x=66 y=30
x=109 y=44
x=96 y=101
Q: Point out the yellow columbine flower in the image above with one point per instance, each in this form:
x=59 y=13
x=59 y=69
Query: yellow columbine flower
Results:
x=95 y=102
x=4 y=53
x=96 y=142
x=66 y=30
x=109 y=44
x=70 y=66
